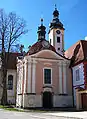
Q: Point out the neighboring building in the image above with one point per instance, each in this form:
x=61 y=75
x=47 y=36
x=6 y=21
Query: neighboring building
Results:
x=78 y=55
x=43 y=74
x=11 y=79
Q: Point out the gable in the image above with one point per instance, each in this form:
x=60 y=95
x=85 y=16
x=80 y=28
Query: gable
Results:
x=48 y=54
x=76 y=52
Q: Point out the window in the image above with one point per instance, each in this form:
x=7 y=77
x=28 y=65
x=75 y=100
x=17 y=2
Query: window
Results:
x=10 y=82
x=58 y=48
x=58 y=39
x=77 y=75
x=47 y=76
x=50 y=41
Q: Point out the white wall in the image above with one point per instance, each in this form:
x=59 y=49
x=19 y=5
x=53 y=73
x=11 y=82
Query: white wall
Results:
x=11 y=94
x=62 y=101
x=51 y=37
x=80 y=82
x=81 y=70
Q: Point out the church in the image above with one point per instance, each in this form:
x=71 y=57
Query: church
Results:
x=43 y=75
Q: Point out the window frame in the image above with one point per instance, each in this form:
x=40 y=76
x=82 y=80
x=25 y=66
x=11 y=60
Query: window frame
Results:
x=10 y=84
x=44 y=76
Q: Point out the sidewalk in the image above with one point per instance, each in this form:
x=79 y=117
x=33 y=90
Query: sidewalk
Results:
x=73 y=115
x=70 y=114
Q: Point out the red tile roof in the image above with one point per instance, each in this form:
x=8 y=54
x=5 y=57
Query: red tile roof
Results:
x=12 y=62
x=77 y=52
x=38 y=47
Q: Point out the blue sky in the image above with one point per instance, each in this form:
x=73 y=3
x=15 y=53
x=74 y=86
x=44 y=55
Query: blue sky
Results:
x=73 y=15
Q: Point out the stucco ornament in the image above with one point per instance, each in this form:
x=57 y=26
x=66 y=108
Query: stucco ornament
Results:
x=45 y=44
x=31 y=101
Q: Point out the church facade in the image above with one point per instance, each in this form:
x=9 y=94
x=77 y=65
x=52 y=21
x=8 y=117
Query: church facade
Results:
x=43 y=74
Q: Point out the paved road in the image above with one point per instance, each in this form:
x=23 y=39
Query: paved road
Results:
x=35 y=115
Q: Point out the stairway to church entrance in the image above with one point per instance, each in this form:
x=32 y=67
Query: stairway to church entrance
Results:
x=47 y=100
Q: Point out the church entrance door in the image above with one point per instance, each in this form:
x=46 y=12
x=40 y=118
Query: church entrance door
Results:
x=47 y=100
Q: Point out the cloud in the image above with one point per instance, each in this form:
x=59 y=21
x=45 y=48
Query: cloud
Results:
x=86 y=38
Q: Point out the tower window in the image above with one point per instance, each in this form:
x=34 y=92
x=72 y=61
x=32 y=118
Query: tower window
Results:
x=58 y=48
x=58 y=39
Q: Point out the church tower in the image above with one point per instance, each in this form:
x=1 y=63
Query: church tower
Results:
x=41 y=31
x=56 y=33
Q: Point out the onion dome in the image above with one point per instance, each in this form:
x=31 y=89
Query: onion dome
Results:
x=56 y=22
x=41 y=31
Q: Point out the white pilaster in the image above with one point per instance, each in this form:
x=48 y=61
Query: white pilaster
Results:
x=21 y=78
x=33 y=75
x=25 y=71
x=29 y=77
x=60 y=77
x=64 y=79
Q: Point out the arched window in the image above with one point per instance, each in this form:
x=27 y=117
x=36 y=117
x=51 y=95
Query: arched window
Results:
x=10 y=82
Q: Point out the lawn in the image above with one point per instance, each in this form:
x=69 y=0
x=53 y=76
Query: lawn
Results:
x=10 y=108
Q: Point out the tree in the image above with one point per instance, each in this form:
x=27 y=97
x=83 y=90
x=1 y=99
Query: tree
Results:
x=11 y=28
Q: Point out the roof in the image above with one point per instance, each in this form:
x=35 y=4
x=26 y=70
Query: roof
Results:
x=38 y=46
x=77 y=53
x=12 y=60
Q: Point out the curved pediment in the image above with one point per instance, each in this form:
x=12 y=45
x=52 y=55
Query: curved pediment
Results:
x=48 y=54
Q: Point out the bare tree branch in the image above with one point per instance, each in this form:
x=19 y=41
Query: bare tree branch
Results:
x=11 y=28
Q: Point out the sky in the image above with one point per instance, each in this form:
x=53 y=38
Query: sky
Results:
x=73 y=15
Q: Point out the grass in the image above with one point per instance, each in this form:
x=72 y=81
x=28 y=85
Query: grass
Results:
x=10 y=108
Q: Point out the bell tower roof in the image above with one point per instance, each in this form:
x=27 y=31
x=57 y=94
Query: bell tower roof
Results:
x=55 y=23
x=56 y=12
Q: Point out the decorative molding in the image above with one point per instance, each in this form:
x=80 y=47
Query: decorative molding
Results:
x=63 y=94
x=29 y=93
x=47 y=89
x=47 y=63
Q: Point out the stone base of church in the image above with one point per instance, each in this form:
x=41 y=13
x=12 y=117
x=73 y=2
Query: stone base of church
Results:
x=33 y=101
x=62 y=101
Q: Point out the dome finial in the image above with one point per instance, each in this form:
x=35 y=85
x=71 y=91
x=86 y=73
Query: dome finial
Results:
x=41 y=21
x=55 y=7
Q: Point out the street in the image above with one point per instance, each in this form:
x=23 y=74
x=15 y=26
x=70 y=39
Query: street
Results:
x=41 y=115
